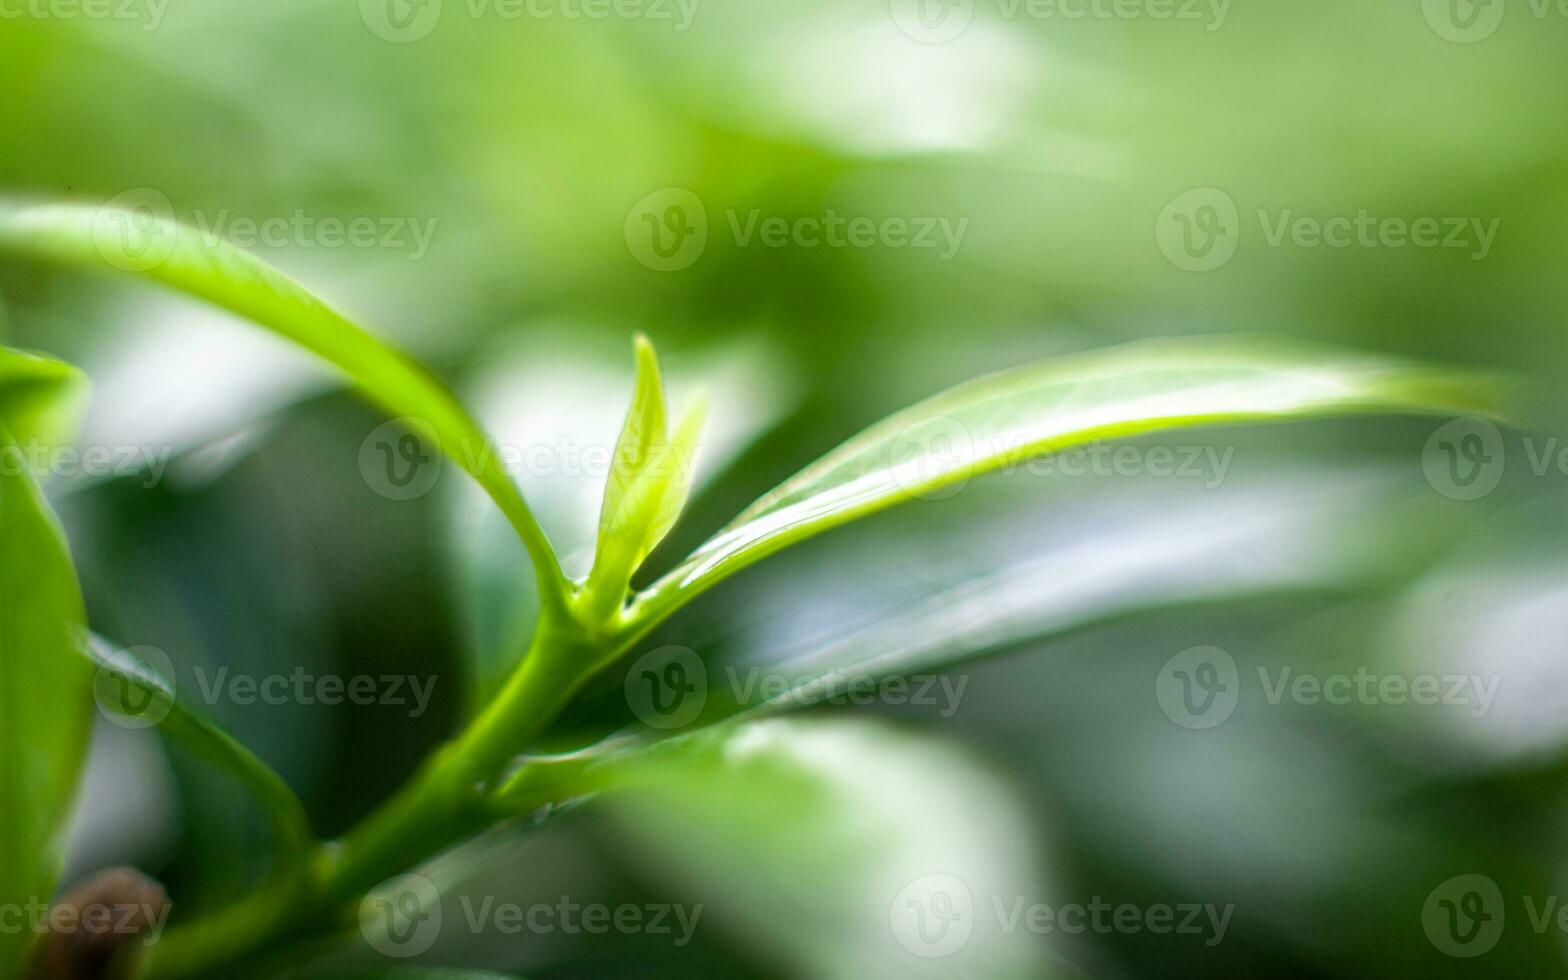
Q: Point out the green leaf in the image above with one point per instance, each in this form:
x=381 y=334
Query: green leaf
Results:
x=131 y=686
x=650 y=478
x=40 y=398
x=1001 y=421
x=45 y=707
x=623 y=519
x=644 y=428
x=212 y=270
x=807 y=838
x=1296 y=532
x=1305 y=534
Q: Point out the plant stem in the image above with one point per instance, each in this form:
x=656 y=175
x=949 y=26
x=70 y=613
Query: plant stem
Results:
x=445 y=799
x=443 y=804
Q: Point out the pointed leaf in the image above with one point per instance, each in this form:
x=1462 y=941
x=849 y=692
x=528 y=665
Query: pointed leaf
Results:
x=212 y=270
x=625 y=516
x=644 y=429
x=1002 y=420
x=45 y=705
x=648 y=485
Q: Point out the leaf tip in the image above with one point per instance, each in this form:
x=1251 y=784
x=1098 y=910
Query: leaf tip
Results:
x=646 y=356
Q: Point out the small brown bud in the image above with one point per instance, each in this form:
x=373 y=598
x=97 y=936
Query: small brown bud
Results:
x=96 y=919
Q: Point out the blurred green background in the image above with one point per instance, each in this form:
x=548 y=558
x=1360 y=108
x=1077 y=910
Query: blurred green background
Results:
x=541 y=152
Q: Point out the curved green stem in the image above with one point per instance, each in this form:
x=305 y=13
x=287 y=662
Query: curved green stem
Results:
x=447 y=797
x=445 y=803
